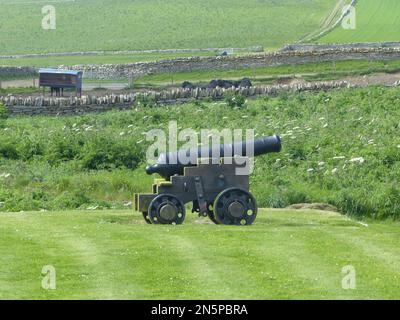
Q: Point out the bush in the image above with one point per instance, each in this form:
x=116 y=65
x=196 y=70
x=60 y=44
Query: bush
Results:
x=108 y=153
x=236 y=101
x=8 y=150
x=4 y=113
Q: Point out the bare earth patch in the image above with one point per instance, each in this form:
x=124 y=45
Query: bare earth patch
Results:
x=314 y=206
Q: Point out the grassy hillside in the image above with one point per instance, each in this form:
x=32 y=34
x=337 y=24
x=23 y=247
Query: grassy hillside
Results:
x=153 y=24
x=340 y=147
x=376 y=20
x=115 y=255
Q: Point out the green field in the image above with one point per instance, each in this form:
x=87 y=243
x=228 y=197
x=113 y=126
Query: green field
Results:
x=258 y=76
x=307 y=71
x=376 y=20
x=115 y=255
x=153 y=24
x=55 y=61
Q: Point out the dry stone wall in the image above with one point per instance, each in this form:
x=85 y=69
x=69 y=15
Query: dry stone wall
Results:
x=74 y=105
x=345 y=46
x=124 y=71
x=133 y=70
x=8 y=72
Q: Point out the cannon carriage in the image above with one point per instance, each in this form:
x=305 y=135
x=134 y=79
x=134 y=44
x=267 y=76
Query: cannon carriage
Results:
x=218 y=187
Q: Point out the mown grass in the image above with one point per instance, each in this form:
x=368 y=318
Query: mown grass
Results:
x=340 y=147
x=115 y=255
x=150 y=24
x=376 y=20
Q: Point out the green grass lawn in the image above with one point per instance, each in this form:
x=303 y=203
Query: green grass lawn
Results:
x=152 y=24
x=376 y=20
x=115 y=255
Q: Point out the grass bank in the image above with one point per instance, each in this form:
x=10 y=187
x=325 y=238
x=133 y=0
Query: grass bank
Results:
x=340 y=147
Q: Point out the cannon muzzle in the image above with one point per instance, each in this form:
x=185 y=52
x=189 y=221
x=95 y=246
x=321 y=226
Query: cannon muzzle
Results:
x=169 y=164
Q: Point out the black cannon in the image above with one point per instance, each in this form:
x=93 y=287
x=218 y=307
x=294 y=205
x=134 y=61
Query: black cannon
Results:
x=215 y=180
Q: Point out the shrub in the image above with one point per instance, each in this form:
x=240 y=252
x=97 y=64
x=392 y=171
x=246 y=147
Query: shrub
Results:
x=235 y=101
x=8 y=150
x=110 y=153
x=4 y=113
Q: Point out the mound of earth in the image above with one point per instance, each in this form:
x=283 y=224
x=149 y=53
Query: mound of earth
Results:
x=314 y=206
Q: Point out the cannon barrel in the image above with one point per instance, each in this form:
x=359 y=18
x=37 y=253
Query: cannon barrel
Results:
x=169 y=164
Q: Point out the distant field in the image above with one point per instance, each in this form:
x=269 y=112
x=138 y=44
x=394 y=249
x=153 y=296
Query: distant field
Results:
x=114 y=255
x=376 y=20
x=56 y=61
x=308 y=71
x=153 y=24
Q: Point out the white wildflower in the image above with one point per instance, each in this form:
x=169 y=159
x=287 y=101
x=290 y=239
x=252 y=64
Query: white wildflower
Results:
x=310 y=170
x=359 y=160
x=321 y=164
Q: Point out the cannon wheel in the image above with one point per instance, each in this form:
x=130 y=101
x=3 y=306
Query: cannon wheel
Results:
x=235 y=206
x=166 y=209
x=211 y=214
x=146 y=217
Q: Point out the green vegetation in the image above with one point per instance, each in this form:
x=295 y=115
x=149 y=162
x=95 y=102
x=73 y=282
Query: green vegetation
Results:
x=152 y=24
x=12 y=90
x=115 y=255
x=55 y=61
x=340 y=147
x=266 y=75
x=375 y=21
x=3 y=112
x=307 y=71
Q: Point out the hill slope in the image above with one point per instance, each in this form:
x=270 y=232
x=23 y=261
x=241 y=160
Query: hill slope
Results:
x=152 y=24
x=376 y=20
x=115 y=255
